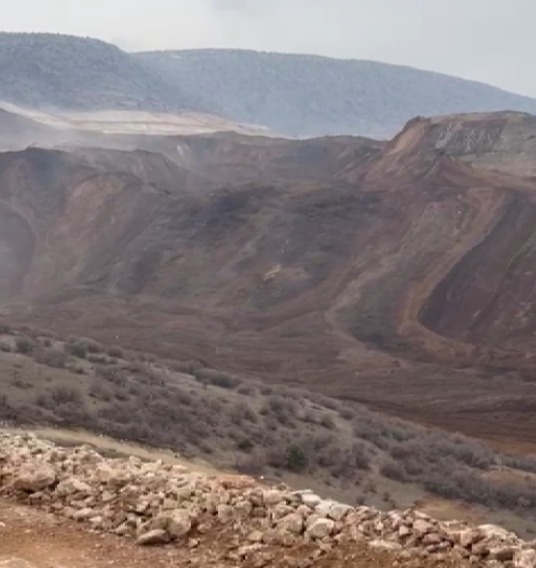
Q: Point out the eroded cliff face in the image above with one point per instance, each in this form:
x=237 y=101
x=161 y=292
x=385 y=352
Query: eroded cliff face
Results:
x=345 y=264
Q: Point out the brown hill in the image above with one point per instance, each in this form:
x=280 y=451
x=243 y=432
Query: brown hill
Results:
x=399 y=275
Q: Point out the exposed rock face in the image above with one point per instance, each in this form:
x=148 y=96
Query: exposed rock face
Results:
x=158 y=504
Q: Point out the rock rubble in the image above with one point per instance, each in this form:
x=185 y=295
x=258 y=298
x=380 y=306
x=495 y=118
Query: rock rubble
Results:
x=157 y=504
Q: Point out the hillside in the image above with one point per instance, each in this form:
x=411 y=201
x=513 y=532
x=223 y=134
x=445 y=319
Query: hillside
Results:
x=342 y=265
x=220 y=421
x=49 y=70
x=305 y=95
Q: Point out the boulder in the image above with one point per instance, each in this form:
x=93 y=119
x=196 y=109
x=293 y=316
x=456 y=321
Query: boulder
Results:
x=153 y=538
x=292 y=523
x=272 y=497
x=503 y=553
x=525 y=559
x=385 y=545
x=321 y=528
x=179 y=524
x=73 y=486
x=338 y=511
x=35 y=477
x=422 y=527
x=225 y=513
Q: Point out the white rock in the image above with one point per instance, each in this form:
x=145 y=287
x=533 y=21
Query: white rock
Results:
x=152 y=538
x=272 y=497
x=338 y=511
x=35 y=477
x=179 y=524
x=225 y=513
x=384 y=545
x=292 y=523
x=321 y=528
x=525 y=559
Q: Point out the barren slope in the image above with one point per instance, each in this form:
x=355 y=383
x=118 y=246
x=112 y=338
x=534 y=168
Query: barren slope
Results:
x=400 y=276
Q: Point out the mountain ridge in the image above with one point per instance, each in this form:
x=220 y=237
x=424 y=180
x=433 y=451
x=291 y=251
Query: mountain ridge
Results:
x=312 y=95
x=295 y=95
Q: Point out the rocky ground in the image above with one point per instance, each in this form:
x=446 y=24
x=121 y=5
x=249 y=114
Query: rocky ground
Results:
x=173 y=514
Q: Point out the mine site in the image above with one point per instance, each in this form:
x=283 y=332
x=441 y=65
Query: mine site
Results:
x=267 y=285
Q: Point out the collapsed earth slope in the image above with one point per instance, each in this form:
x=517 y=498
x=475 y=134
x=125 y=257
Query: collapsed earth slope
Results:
x=347 y=265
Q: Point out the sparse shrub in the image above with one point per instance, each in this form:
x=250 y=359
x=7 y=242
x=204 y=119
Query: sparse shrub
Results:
x=283 y=409
x=245 y=445
x=246 y=389
x=326 y=421
x=393 y=470
x=100 y=391
x=93 y=346
x=217 y=378
x=52 y=358
x=347 y=414
x=5 y=347
x=97 y=358
x=295 y=459
x=185 y=367
x=242 y=412
x=5 y=329
x=63 y=394
x=115 y=352
x=115 y=375
x=24 y=345
x=77 y=349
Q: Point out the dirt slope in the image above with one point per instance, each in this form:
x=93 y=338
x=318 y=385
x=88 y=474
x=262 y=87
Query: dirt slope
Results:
x=339 y=263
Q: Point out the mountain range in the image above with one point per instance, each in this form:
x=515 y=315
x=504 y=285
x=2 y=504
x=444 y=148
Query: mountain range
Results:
x=293 y=95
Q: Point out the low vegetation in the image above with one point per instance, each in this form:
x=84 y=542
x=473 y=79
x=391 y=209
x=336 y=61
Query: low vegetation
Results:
x=257 y=429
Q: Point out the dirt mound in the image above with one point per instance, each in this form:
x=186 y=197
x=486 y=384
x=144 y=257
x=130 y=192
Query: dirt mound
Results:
x=232 y=519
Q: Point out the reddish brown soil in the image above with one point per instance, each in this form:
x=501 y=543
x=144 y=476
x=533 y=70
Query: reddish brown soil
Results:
x=400 y=276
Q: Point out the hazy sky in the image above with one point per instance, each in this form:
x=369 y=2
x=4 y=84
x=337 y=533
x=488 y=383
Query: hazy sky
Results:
x=489 y=40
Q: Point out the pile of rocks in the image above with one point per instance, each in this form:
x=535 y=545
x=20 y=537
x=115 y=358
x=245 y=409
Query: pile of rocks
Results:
x=157 y=504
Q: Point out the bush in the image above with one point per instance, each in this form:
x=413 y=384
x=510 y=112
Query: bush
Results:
x=245 y=445
x=393 y=470
x=116 y=352
x=242 y=412
x=24 y=345
x=65 y=394
x=77 y=349
x=327 y=422
x=283 y=409
x=5 y=347
x=217 y=378
x=52 y=358
x=295 y=459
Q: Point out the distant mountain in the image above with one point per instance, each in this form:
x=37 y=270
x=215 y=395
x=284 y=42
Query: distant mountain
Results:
x=309 y=95
x=295 y=95
x=50 y=70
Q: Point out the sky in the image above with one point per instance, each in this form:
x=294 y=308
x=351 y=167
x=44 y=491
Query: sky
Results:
x=493 y=41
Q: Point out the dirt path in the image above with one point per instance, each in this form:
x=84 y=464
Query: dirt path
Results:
x=30 y=538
